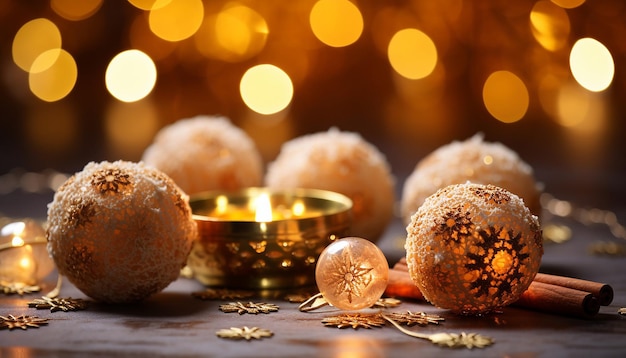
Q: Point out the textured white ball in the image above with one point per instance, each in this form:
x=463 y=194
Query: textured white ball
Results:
x=342 y=162
x=473 y=248
x=206 y=153
x=472 y=160
x=120 y=231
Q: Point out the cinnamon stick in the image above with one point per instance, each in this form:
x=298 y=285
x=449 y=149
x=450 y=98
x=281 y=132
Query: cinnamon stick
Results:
x=601 y=291
x=401 y=285
x=559 y=295
x=558 y=299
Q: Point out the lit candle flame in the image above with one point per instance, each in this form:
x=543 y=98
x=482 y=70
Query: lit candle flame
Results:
x=263 y=208
x=221 y=204
x=298 y=208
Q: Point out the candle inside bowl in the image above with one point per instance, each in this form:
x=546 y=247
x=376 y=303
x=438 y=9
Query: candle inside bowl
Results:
x=265 y=239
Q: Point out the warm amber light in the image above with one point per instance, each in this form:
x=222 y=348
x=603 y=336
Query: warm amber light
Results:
x=580 y=109
x=130 y=76
x=505 y=96
x=221 y=204
x=412 y=54
x=502 y=262
x=591 y=64
x=336 y=23
x=550 y=25
x=176 y=20
x=130 y=127
x=149 y=4
x=75 y=10
x=240 y=30
x=263 y=208
x=234 y=34
x=53 y=82
x=568 y=4
x=266 y=89
x=32 y=39
x=17 y=241
x=298 y=208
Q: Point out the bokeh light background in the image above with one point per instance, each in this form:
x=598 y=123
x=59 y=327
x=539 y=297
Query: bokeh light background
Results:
x=84 y=80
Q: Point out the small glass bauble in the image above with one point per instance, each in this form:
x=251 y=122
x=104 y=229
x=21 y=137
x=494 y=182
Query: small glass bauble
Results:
x=352 y=273
x=24 y=257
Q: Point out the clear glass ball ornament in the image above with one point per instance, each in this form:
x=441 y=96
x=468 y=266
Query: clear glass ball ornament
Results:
x=352 y=273
x=24 y=256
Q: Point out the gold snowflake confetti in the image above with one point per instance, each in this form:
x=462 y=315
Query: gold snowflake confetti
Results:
x=244 y=333
x=58 y=304
x=449 y=340
x=23 y=322
x=462 y=340
x=355 y=320
x=387 y=302
x=250 y=307
x=10 y=288
x=222 y=294
x=412 y=318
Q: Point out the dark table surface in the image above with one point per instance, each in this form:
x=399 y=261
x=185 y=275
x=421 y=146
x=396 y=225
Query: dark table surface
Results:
x=174 y=323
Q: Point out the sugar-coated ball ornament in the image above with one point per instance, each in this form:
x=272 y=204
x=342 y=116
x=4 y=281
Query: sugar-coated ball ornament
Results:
x=352 y=273
x=471 y=160
x=342 y=162
x=120 y=231
x=473 y=248
x=206 y=153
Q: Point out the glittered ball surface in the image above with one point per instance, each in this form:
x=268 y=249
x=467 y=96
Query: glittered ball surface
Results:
x=352 y=273
x=473 y=248
x=120 y=231
x=471 y=160
x=345 y=163
x=206 y=153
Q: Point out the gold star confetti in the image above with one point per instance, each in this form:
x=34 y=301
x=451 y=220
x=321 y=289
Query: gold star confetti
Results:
x=23 y=322
x=387 y=302
x=250 y=307
x=412 y=318
x=463 y=340
x=58 y=304
x=449 y=340
x=355 y=320
x=222 y=294
x=10 y=288
x=244 y=333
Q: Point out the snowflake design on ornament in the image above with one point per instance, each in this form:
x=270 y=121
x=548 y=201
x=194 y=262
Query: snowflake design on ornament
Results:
x=348 y=276
x=80 y=213
x=111 y=180
x=454 y=225
x=498 y=260
x=493 y=195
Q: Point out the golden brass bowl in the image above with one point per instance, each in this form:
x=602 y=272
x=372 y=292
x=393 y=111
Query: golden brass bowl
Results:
x=236 y=251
